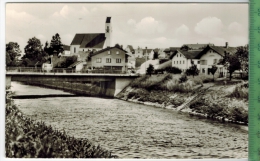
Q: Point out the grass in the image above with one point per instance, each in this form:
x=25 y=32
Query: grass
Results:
x=25 y=138
x=240 y=91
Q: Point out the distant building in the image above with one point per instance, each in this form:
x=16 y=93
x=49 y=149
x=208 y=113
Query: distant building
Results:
x=89 y=41
x=110 y=58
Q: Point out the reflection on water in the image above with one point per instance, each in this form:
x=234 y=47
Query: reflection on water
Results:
x=137 y=131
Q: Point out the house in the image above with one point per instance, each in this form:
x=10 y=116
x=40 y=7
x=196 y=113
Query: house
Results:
x=90 y=41
x=170 y=51
x=148 y=53
x=211 y=55
x=110 y=58
x=138 y=52
x=130 y=49
x=66 y=50
x=161 y=53
x=184 y=59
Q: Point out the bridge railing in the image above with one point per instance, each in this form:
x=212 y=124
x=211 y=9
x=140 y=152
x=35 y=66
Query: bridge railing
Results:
x=61 y=70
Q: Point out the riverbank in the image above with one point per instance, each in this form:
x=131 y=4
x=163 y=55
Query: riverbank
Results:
x=226 y=101
x=25 y=138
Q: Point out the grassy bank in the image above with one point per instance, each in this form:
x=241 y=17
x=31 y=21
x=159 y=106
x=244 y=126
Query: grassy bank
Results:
x=25 y=138
x=221 y=99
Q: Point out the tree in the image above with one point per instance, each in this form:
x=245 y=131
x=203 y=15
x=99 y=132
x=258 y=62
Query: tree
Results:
x=33 y=51
x=213 y=70
x=56 y=45
x=69 y=60
x=193 y=70
x=12 y=52
x=150 y=69
x=242 y=54
x=155 y=55
x=232 y=63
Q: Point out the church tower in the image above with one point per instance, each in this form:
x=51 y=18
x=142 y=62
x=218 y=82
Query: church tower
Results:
x=108 y=30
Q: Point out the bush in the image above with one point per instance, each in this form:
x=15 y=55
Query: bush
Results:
x=173 y=70
x=240 y=92
x=183 y=78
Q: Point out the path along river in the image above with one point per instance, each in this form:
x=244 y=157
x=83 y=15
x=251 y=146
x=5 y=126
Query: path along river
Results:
x=132 y=130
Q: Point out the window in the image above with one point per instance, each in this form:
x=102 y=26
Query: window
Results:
x=177 y=55
x=177 y=62
x=180 y=62
x=183 y=61
x=108 y=60
x=173 y=62
x=118 y=60
x=83 y=49
x=203 y=62
x=74 y=50
x=215 y=61
x=203 y=70
x=198 y=62
x=117 y=52
x=98 y=60
x=108 y=52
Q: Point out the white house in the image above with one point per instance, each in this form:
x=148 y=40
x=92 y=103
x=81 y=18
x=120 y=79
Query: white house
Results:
x=139 y=52
x=90 y=41
x=184 y=59
x=211 y=55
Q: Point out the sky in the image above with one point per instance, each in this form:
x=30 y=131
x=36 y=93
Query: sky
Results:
x=151 y=25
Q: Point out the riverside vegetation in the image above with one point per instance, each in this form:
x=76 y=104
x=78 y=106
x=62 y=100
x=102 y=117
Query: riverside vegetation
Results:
x=25 y=138
x=225 y=100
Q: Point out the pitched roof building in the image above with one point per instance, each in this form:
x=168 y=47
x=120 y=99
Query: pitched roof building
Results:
x=90 y=41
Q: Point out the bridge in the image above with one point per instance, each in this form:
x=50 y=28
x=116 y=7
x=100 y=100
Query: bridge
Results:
x=111 y=83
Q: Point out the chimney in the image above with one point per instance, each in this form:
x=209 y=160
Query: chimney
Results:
x=226 y=45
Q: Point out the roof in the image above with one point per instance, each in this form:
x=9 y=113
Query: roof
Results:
x=130 y=47
x=75 y=64
x=197 y=46
x=93 y=40
x=165 y=64
x=173 y=49
x=106 y=49
x=108 y=19
x=66 y=47
x=191 y=54
x=219 y=49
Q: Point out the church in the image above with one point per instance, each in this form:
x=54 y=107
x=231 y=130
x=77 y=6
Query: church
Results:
x=92 y=41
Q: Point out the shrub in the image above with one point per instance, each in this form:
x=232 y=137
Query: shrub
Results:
x=173 y=70
x=183 y=78
x=240 y=92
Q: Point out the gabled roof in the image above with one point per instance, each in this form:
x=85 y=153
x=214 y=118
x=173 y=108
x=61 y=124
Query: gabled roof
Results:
x=106 y=49
x=173 y=49
x=75 y=64
x=93 y=40
x=190 y=54
x=220 y=50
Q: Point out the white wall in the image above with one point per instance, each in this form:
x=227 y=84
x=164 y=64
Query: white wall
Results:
x=73 y=47
x=79 y=67
x=211 y=58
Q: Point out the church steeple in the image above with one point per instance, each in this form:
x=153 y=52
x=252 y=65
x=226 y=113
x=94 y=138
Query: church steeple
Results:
x=108 y=30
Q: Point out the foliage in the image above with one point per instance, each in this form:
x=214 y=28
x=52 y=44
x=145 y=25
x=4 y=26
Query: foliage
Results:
x=213 y=70
x=119 y=46
x=69 y=60
x=243 y=57
x=240 y=92
x=150 y=69
x=155 y=55
x=12 y=51
x=193 y=70
x=173 y=70
x=183 y=78
x=33 y=51
x=25 y=138
x=56 y=45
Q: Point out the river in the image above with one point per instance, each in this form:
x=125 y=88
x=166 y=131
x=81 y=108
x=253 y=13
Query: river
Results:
x=132 y=130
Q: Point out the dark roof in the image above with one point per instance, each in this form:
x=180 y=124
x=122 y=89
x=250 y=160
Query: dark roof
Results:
x=108 y=19
x=94 y=40
x=220 y=50
x=173 y=49
x=165 y=64
x=75 y=64
x=190 y=54
x=197 y=46
x=66 y=47
x=106 y=49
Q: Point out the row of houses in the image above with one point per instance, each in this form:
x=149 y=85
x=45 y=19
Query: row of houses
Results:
x=94 y=51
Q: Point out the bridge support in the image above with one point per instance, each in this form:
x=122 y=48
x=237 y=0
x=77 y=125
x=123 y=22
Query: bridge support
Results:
x=7 y=82
x=122 y=83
